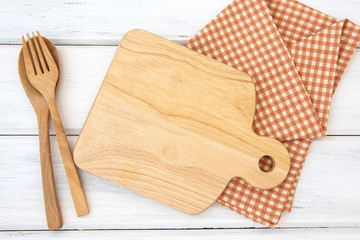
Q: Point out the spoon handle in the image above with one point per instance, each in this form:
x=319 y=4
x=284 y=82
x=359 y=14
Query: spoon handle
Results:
x=76 y=190
x=52 y=210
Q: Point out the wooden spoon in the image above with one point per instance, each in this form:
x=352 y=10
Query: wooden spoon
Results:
x=43 y=74
x=53 y=214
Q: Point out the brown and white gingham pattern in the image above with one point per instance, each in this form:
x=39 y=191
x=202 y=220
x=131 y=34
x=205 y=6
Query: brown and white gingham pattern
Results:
x=244 y=36
x=320 y=48
x=315 y=62
x=303 y=23
x=296 y=21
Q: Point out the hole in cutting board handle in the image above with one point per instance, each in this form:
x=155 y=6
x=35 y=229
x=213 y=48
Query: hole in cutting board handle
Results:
x=266 y=163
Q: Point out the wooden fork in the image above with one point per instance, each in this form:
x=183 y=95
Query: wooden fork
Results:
x=52 y=209
x=43 y=74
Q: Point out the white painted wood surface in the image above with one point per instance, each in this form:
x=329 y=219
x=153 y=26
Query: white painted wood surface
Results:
x=228 y=234
x=84 y=68
x=331 y=202
x=104 y=22
x=327 y=202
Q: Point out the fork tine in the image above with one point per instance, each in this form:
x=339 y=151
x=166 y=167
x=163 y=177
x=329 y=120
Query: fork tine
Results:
x=34 y=55
x=40 y=54
x=27 y=59
x=48 y=57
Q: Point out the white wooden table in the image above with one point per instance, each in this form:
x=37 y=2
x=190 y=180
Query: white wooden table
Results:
x=327 y=202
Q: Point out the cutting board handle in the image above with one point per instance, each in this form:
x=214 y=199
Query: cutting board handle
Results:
x=274 y=149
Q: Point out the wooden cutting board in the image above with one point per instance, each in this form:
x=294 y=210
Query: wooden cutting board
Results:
x=175 y=126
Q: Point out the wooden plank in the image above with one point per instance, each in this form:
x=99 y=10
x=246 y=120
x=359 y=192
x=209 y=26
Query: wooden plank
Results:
x=77 y=88
x=332 y=202
x=84 y=68
x=105 y=22
x=209 y=234
x=345 y=105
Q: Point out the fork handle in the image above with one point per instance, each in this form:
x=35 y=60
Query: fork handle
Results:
x=52 y=210
x=76 y=190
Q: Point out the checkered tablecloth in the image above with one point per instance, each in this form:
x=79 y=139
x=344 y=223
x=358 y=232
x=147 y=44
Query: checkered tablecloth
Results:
x=296 y=56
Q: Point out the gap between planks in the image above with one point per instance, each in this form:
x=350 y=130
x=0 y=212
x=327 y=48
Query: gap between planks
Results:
x=112 y=43
x=76 y=135
x=174 y=229
x=104 y=43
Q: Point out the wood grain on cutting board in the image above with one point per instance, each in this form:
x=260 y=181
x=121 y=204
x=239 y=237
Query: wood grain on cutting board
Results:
x=175 y=126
